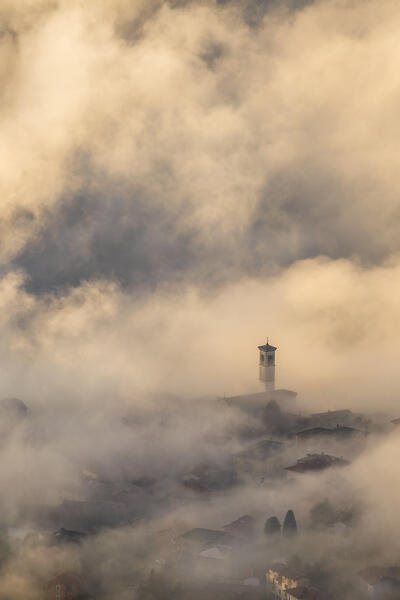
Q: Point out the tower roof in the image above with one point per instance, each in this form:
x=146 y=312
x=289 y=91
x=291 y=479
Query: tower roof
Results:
x=267 y=347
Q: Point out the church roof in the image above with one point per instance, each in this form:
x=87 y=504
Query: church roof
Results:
x=267 y=347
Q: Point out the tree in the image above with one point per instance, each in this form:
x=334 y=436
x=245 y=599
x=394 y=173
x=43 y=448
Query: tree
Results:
x=289 y=525
x=272 y=527
x=275 y=421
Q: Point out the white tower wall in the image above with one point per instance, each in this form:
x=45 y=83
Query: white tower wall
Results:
x=267 y=366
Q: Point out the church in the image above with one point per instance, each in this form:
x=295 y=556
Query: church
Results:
x=255 y=402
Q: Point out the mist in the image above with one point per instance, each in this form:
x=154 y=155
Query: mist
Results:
x=180 y=180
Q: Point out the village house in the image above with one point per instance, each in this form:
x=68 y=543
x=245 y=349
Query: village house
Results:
x=332 y=418
x=260 y=458
x=316 y=462
x=197 y=540
x=66 y=586
x=212 y=564
x=280 y=578
x=68 y=536
x=380 y=582
x=242 y=528
x=305 y=592
x=285 y=398
x=339 y=433
x=254 y=404
x=204 y=555
x=210 y=478
x=335 y=441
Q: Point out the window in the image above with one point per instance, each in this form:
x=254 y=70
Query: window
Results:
x=270 y=359
x=261 y=357
x=58 y=588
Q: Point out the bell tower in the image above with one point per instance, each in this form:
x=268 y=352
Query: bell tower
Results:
x=267 y=366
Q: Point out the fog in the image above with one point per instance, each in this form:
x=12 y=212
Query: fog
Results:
x=180 y=180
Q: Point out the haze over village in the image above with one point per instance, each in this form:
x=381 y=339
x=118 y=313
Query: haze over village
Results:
x=199 y=315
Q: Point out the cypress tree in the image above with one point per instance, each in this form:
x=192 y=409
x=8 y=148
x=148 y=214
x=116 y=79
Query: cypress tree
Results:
x=272 y=527
x=289 y=525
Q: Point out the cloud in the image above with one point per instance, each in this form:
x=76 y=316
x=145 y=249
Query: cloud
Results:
x=138 y=131
x=333 y=321
x=178 y=181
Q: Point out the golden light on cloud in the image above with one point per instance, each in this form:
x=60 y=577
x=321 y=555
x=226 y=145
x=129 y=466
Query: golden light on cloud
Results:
x=178 y=181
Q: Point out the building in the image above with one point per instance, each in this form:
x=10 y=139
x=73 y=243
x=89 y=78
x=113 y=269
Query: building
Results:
x=379 y=582
x=262 y=459
x=212 y=564
x=254 y=404
x=267 y=366
x=316 y=462
x=317 y=438
x=285 y=398
x=332 y=418
x=261 y=450
x=244 y=527
x=305 y=592
x=199 y=539
x=66 y=586
x=203 y=555
x=210 y=478
x=281 y=578
x=67 y=536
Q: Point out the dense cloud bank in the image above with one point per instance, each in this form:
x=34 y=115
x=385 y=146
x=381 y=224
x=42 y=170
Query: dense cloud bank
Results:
x=161 y=160
x=179 y=179
x=336 y=324
x=156 y=142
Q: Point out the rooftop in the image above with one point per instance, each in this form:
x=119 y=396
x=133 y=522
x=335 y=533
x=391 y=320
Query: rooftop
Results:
x=339 y=430
x=242 y=527
x=306 y=593
x=267 y=347
x=289 y=571
x=314 y=431
x=283 y=392
x=68 y=535
x=215 y=553
x=261 y=450
x=207 y=538
x=333 y=413
x=373 y=575
x=207 y=477
x=317 y=462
